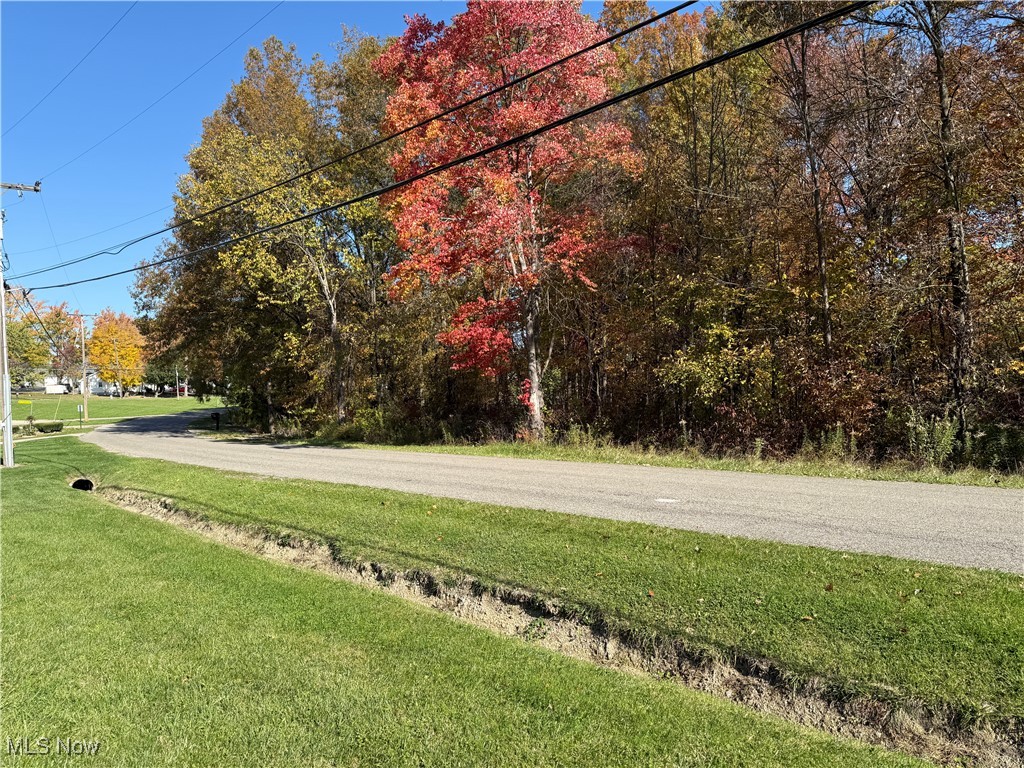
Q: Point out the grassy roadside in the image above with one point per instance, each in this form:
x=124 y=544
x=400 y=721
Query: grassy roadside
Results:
x=945 y=636
x=818 y=467
x=593 y=452
x=65 y=407
x=173 y=651
x=68 y=431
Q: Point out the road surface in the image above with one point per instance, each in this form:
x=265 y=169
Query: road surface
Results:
x=980 y=527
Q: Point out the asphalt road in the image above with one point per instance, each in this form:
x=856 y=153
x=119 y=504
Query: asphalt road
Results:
x=980 y=527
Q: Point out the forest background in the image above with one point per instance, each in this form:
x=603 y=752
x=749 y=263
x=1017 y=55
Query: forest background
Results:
x=814 y=247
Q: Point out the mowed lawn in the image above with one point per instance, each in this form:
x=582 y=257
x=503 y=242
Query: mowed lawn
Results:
x=894 y=629
x=61 y=407
x=174 y=651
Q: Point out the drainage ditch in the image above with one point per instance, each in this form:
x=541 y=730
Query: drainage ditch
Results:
x=754 y=683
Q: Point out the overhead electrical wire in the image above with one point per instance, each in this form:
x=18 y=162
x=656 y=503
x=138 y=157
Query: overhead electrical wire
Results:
x=94 y=234
x=39 y=321
x=626 y=95
x=111 y=251
x=194 y=72
x=71 y=71
x=118 y=248
x=53 y=236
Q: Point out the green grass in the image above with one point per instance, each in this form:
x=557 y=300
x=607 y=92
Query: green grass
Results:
x=815 y=467
x=65 y=407
x=174 y=651
x=950 y=637
x=70 y=429
x=598 y=451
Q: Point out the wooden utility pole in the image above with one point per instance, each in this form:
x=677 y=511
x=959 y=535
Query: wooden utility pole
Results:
x=6 y=422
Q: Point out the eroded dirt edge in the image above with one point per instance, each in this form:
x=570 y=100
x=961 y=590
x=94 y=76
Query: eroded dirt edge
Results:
x=757 y=684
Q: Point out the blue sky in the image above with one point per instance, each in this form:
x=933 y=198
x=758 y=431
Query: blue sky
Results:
x=133 y=174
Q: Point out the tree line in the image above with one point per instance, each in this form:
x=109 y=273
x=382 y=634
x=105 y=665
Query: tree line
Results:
x=816 y=244
x=46 y=340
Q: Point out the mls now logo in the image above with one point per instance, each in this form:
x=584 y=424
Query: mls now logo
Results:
x=47 y=746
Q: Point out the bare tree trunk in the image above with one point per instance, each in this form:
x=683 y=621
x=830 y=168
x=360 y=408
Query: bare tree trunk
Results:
x=811 y=156
x=271 y=420
x=337 y=350
x=960 y=364
x=534 y=366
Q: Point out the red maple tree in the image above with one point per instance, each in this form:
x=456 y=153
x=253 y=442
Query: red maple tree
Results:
x=492 y=226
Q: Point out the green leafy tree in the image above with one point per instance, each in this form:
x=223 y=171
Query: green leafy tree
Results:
x=27 y=348
x=285 y=317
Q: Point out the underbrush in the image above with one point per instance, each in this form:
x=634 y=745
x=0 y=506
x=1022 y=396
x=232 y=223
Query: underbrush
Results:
x=922 y=449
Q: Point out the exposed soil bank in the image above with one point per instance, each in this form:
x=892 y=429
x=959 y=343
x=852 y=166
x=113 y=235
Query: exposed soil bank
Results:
x=756 y=683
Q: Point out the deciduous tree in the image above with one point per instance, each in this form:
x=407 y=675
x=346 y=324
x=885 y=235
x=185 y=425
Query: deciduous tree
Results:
x=493 y=231
x=116 y=349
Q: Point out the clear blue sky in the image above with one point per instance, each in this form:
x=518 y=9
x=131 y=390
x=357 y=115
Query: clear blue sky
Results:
x=134 y=173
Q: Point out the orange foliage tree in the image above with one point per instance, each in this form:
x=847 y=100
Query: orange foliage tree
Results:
x=116 y=348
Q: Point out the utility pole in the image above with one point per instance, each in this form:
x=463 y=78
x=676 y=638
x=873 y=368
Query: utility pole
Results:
x=21 y=187
x=117 y=371
x=85 y=378
x=7 y=425
x=5 y=372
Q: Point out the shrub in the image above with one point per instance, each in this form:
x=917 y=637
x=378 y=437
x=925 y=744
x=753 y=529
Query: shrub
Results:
x=757 y=452
x=390 y=426
x=833 y=443
x=997 y=446
x=579 y=436
x=340 y=433
x=50 y=426
x=931 y=440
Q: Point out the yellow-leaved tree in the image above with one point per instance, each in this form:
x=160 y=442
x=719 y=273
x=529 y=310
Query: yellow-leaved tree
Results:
x=116 y=349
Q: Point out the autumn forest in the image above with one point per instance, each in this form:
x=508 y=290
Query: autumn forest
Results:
x=814 y=246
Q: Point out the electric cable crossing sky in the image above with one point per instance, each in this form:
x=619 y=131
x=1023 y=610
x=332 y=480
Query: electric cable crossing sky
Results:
x=837 y=13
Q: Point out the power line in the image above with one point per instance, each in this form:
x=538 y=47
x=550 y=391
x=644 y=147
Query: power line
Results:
x=87 y=237
x=632 y=93
x=53 y=235
x=112 y=250
x=165 y=95
x=116 y=249
x=71 y=71
x=39 y=321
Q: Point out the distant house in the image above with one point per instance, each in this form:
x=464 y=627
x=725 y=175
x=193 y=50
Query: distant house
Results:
x=54 y=385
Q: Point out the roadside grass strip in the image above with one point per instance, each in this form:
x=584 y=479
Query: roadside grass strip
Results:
x=169 y=650
x=600 y=452
x=855 y=469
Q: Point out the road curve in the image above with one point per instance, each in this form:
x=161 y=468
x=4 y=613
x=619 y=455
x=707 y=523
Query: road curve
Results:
x=966 y=526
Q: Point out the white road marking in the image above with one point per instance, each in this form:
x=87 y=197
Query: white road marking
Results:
x=667 y=501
